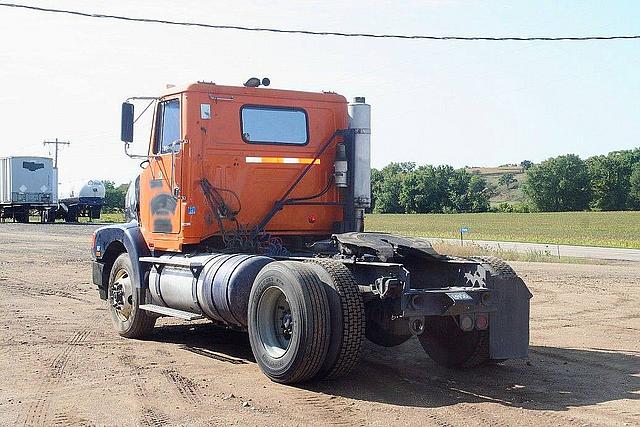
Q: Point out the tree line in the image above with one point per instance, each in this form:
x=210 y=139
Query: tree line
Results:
x=114 y=197
x=407 y=188
x=564 y=183
x=567 y=183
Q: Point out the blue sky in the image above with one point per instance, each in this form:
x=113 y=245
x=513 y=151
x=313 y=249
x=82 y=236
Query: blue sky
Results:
x=459 y=103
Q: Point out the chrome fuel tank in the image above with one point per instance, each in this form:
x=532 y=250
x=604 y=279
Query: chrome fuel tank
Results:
x=218 y=287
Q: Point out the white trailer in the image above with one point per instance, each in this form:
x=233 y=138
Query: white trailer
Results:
x=28 y=185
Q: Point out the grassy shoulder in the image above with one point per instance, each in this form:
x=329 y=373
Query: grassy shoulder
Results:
x=471 y=250
x=111 y=217
x=606 y=229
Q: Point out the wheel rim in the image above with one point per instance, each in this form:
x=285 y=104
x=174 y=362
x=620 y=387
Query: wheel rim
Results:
x=121 y=295
x=275 y=322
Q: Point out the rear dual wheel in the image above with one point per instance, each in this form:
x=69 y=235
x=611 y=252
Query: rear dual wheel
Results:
x=347 y=317
x=306 y=320
x=289 y=322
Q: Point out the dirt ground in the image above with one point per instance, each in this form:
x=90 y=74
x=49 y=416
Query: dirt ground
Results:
x=62 y=364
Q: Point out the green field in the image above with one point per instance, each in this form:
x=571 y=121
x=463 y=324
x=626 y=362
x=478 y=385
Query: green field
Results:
x=104 y=218
x=111 y=217
x=610 y=229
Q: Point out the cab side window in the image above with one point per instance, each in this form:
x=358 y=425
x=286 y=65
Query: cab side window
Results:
x=274 y=125
x=168 y=126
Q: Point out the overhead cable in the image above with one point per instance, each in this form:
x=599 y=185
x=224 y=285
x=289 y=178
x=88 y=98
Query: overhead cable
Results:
x=316 y=33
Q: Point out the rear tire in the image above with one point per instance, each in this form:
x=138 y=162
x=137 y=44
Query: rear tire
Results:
x=381 y=329
x=22 y=217
x=51 y=215
x=289 y=322
x=347 y=318
x=124 y=301
x=499 y=267
x=71 y=216
x=450 y=346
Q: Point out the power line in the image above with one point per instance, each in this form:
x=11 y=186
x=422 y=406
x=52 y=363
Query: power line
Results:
x=314 y=33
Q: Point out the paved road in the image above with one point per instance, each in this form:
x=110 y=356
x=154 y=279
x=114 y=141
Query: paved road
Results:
x=563 y=250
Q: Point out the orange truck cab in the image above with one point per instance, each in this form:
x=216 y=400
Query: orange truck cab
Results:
x=249 y=212
x=221 y=156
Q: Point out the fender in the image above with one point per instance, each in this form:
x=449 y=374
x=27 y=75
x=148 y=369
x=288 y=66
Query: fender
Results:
x=110 y=242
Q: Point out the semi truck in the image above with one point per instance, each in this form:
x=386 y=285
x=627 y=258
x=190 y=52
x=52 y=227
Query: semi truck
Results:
x=249 y=212
x=28 y=185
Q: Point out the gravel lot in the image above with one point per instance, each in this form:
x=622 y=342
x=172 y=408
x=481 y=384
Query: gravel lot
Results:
x=63 y=364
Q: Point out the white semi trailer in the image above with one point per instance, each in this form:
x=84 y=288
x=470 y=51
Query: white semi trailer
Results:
x=28 y=185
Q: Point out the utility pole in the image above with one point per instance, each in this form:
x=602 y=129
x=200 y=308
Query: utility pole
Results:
x=56 y=142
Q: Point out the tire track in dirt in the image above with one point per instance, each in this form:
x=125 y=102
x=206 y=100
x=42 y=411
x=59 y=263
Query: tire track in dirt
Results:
x=186 y=387
x=63 y=419
x=148 y=417
x=37 y=412
x=11 y=343
x=28 y=289
x=60 y=362
x=330 y=409
x=151 y=418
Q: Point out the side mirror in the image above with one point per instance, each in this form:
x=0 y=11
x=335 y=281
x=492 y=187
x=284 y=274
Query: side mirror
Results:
x=126 y=124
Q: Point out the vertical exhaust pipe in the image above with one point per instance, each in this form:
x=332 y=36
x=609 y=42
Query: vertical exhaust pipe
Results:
x=360 y=124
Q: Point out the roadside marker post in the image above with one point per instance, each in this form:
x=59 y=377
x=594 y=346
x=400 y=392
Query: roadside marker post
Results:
x=462 y=231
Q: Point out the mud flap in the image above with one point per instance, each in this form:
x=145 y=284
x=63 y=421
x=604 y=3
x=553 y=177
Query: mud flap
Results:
x=509 y=324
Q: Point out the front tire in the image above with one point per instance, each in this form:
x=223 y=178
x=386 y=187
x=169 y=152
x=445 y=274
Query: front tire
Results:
x=124 y=301
x=289 y=322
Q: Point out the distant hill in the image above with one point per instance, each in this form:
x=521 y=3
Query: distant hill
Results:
x=502 y=193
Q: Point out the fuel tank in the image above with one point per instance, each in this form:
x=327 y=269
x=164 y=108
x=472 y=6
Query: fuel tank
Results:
x=214 y=285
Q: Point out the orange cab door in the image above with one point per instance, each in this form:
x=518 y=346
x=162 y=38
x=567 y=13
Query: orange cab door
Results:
x=165 y=170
